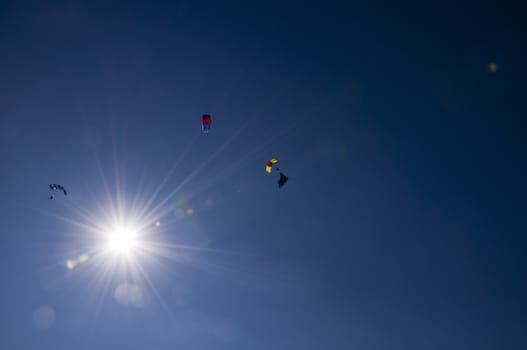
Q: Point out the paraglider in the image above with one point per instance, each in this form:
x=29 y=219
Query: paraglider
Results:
x=269 y=168
x=270 y=164
x=283 y=179
x=206 y=121
x=57 y=187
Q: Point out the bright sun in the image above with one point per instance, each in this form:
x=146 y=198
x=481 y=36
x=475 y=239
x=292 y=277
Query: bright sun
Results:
x=122 y=240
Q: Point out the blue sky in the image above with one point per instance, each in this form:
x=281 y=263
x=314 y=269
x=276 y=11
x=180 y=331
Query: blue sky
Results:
x=402 y=224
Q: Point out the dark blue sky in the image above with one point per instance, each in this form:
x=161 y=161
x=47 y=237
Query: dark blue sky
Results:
x=402 y=225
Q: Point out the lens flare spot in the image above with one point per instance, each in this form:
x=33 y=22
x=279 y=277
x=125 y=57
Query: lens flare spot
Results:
x=71 y=264
x=44 y=317
x=131 y=295
x=492 y=67
x=179 y=214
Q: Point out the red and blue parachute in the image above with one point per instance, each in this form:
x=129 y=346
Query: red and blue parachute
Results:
x=206 y=121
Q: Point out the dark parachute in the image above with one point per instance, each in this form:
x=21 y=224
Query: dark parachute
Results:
x=206 y=121
x=57 y=187
x=282 y=180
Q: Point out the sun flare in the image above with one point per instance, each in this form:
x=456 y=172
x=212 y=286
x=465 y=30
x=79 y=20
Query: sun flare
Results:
x=122 y=240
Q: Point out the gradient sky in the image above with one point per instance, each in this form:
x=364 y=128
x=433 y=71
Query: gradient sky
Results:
x=402 y=225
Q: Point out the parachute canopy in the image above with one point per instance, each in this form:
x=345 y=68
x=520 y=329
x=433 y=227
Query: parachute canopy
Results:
x=269 y=165
x=206 y=121
x=57 y=187
x=282 y=180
